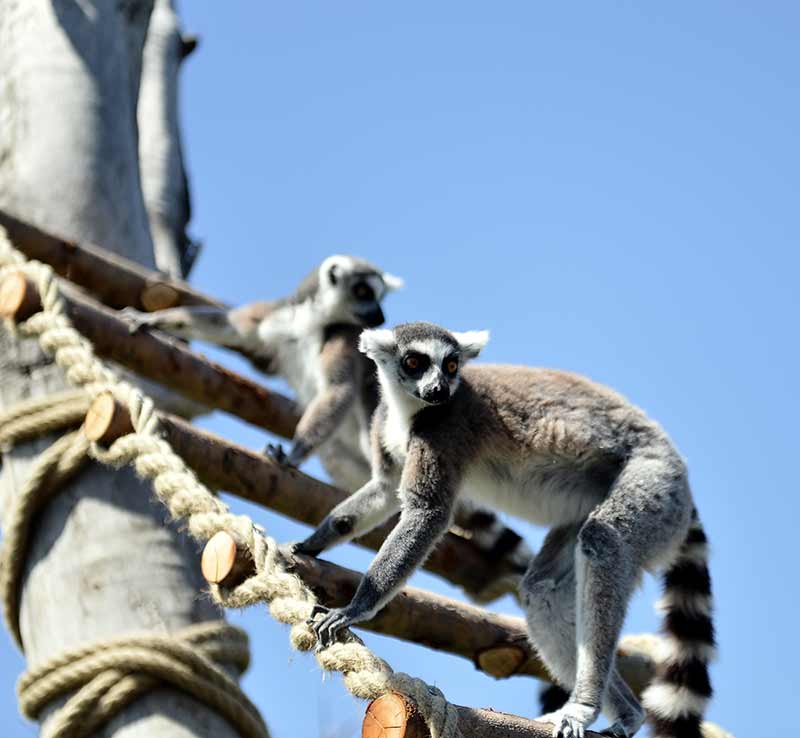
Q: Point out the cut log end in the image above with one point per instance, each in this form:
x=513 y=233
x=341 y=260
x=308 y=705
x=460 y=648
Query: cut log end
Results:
x=19 y=298
x=224 y=563
x=107 y=420
x=159 y=296
x=393 y=716
x=501 y=661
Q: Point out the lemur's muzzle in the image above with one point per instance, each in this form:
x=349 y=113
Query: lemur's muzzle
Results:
x=370 y=315
x=437 y=394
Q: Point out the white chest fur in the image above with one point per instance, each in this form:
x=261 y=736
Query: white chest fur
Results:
x=298 y=339
x=400 y=411
x=395 y=435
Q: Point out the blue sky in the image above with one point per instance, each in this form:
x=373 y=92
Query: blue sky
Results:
x=609 y=188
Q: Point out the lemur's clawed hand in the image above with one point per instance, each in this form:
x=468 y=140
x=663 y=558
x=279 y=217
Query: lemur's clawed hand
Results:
x=298 y=547
x=330 y=625
x=571 y=720
x=275 y=452
x=136 y=319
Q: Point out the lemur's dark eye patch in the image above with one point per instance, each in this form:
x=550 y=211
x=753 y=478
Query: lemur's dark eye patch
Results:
x=362 y=291
x=415 y=364
x=450 y=365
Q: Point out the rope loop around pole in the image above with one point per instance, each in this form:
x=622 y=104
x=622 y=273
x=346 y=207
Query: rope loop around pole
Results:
x=106 y=676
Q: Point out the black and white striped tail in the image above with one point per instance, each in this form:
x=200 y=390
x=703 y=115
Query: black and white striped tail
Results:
x=677 y=697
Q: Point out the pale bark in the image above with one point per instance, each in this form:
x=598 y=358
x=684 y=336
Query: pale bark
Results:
x=103 y=562
x=164 y=182
x=68 y=141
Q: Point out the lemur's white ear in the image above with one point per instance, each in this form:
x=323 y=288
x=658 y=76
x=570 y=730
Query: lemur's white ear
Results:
x=392 y=282
x=376 y=342
x=471 y=342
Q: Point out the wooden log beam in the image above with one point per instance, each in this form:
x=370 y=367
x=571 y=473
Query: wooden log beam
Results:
x=160 y=358
x=395 y=716
x=19 y=298
x=116 y=281
x=255 y=477
x=496 y=644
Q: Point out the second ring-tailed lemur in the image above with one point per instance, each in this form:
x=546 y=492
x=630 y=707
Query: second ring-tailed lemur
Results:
x=558 y=450
x=311 y=340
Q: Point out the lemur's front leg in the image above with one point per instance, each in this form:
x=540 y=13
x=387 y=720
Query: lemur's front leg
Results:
x=404 y=550
x=342 y=376
x=428 y=488
x=320 y=420
x=364 y=510
x=203 y=323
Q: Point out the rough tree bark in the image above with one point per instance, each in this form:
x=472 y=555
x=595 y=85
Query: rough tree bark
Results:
x=164 y=181
x=103 y=562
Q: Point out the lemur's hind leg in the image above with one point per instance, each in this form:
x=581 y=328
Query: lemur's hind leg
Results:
x=643 y=518
x=548 y=591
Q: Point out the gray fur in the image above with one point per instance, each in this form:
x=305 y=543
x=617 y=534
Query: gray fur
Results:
x=548 y=446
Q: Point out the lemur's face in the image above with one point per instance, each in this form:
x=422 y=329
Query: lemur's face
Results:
x=422 y=359
x=352 y=290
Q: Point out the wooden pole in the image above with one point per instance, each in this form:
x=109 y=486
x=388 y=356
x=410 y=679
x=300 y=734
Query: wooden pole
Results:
x=107 y=420
x=19 y=298
x=116 y=281
x=395 y=716
x=161 y=359
x=224 y=563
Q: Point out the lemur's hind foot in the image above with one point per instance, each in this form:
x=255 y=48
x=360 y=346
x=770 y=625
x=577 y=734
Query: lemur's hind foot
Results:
x=571 y=720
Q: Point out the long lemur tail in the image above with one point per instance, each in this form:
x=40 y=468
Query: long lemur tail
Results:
x=677 y=697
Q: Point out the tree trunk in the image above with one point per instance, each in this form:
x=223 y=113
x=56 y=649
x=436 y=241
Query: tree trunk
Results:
x=164 y=182
x=103 y=562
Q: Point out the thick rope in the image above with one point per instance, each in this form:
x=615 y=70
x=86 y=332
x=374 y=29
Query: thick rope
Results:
x=365 y=675
x=39 y=415
x=51 y=470
x=107 y=676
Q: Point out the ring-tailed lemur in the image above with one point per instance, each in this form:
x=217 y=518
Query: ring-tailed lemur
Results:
x=559 y=450
x=311 y=340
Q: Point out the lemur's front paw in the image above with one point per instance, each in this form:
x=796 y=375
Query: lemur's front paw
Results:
x=277 y=454
x=571 y=720
x=299 y=547
x=136 y=319
x=330 y=625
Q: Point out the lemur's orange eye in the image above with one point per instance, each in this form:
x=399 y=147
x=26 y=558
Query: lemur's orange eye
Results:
x=452 y=366
x=362 y=291
x=412 y=362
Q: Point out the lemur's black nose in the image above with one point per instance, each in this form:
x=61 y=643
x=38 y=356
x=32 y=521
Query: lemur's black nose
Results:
x=437 y=395
x=371 y=316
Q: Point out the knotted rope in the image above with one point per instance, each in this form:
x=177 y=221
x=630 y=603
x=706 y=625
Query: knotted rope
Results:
x=290 y=601
x=109 y=675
